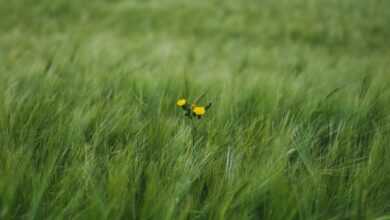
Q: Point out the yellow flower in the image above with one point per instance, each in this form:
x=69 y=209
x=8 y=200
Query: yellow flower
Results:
x=199 y=111
x=181 y=102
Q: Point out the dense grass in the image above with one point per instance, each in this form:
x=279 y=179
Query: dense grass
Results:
x=299 y=128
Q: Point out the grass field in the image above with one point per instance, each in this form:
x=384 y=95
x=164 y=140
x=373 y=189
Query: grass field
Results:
x=299 y=127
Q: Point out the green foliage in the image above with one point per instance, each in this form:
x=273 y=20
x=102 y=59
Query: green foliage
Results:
x=299 y=127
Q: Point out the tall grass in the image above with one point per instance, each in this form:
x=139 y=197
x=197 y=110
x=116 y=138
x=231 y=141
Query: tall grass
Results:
x=299 y=127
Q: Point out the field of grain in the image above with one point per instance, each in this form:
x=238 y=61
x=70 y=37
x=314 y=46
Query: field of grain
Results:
x=299 y=126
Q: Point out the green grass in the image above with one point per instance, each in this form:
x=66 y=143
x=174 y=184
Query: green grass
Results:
x=299 y=127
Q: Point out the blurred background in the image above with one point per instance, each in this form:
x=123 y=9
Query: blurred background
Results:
x=212 y=38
